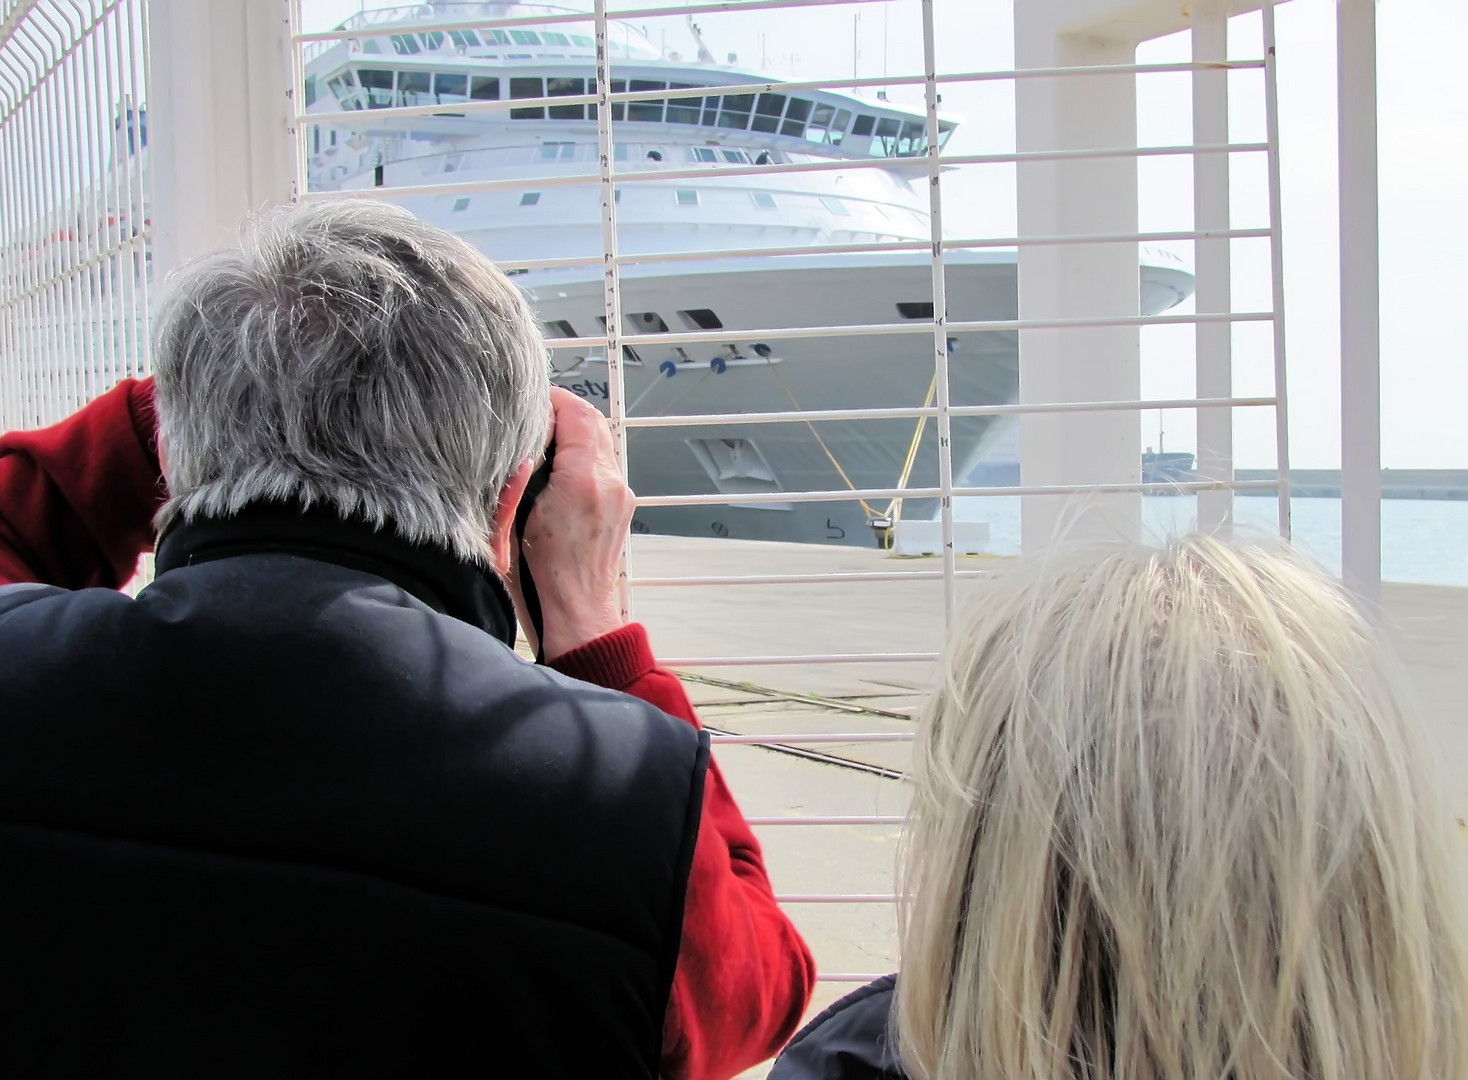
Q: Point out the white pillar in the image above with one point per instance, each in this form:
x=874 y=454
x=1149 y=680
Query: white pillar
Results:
x=1213 y=291
x=1076 y=281
x=1360 y=301
x=219 y=119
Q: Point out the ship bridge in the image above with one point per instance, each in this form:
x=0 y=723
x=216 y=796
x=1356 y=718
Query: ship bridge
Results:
x=136 y=134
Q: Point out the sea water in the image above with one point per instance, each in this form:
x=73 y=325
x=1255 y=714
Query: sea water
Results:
x=1421 y=541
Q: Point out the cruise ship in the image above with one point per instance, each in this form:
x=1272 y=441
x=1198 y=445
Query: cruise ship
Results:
x=714 y=198
x=696 y=180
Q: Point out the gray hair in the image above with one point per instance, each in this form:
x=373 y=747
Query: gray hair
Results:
x=1174 y=817
x=347 y=354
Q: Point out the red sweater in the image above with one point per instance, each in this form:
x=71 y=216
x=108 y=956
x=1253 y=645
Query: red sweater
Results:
x=76 y=506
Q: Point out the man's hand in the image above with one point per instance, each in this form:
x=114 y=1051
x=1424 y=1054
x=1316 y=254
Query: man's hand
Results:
x=574 y=536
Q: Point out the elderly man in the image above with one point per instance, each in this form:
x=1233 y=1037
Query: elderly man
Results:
x=298 y=809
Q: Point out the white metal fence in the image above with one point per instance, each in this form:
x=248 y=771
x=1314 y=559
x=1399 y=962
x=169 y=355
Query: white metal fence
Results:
x=74 y=224
x=1210 y=151
x=74 y=285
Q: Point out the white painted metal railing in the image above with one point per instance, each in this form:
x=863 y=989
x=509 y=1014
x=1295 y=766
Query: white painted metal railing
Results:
x=74 y=225
x=1211 y=151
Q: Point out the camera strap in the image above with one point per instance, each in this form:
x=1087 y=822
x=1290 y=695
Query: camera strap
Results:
x=536 y=484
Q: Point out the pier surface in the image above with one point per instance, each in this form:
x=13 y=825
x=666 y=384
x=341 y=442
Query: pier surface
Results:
x=1428 y=626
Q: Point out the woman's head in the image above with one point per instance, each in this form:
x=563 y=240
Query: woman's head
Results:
x=1171 y=819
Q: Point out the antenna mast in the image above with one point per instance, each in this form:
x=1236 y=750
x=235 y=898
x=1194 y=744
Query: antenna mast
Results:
x=704 y=56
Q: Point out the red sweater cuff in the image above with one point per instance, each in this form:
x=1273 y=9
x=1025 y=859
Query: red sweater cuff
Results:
x=614 y=660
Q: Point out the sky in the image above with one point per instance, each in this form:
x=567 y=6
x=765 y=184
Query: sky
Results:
x=1423 y=124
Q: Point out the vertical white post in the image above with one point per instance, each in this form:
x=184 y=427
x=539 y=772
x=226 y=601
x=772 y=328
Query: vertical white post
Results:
x=1276 y=267
x=1360 y=301
x=1077 y=280
x=611 y=280
x=940 y=317
x=1213 y=290
x=220 y=119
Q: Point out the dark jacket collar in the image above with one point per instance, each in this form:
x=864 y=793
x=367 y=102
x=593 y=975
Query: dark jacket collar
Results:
x=433 y=574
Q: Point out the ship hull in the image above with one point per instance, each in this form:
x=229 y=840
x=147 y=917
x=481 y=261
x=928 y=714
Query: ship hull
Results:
x=800 y=374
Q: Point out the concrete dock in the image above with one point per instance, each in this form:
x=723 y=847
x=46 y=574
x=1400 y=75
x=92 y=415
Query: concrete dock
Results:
x=1428 y=626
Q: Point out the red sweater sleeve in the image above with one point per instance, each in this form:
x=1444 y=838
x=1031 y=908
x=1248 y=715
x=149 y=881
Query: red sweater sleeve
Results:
x=744 y=976
x=77 y=498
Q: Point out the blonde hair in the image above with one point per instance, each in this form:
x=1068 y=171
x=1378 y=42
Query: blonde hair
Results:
x=1172 y=819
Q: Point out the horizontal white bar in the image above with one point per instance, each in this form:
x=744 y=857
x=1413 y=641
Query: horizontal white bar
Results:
x=925 y=326
x=802 y=579
x=917 y=411
x=777 y=168
x=721 y=499
x=1115 y=320
x=570 y=17
x=807 y=738
x=463 y=187
x=971 y=244
x=869 y=819
x=836 y=898
x=1117 y=489
x=872 y=494
x=1008 y=158
x=595 y=341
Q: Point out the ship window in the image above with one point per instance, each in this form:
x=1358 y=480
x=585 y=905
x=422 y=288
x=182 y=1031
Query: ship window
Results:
x=378 y=84
x=524 y=37
x=647 y=322
x=484 y=89
x=413 y=86
x=683 y=110
x=619 y=152
x=530 y=198
x=796 y=114
x=767 y=113
x=915 y=309
x=433 y=39
x=945 y=129
x=565 y=88
x=702 y=319
x=710 y=111
x=763 y=199
x=737 y=157
x=552 y=38
x=559 y=328
x=558 y=151
x=464 y=39
x=820 y=122
x=450 y=89
x=646 y=111
x=836 y=206
x=863 y=125
x=497 y=37
x=619 y=108
x=582 y=40
x=461 y=204
x=704 y=153
x=527 y=88
x=885 y=142
x=735 y=111
x=406 y=44
x=616 y=198
x=913 y=140
x=311 y=91
x=687 y=197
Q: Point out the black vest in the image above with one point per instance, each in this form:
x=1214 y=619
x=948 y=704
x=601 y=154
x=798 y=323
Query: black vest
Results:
x=299 y=811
